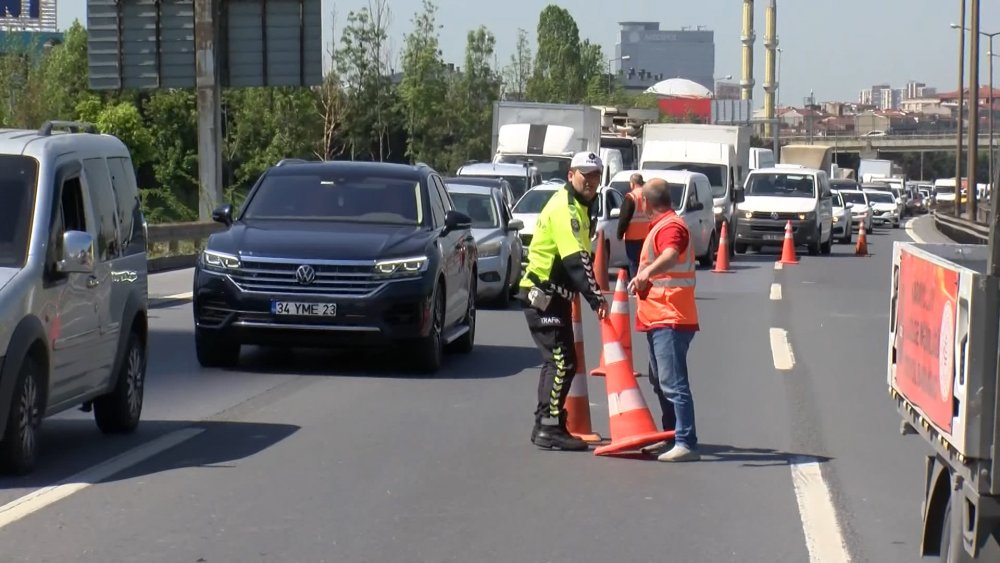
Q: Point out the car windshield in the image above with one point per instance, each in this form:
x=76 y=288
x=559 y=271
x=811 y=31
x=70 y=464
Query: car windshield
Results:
x=621 y=187
x=533 y=201
x=837 y=201
x=336 y=196
x=479 y=208
x=781 y=185
x=548 y=166
x=18 y=178
x=857 y=198
x=518 y=184
x=716 y=173
x=881 y=197
x=945 y=189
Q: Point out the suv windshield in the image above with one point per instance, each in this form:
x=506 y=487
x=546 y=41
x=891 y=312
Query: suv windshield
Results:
x=533 y=201
x=518 y=184
x=18 y=179
x=479 y=208
x=857 y=198
x=548 y=166
x=781 y=185
x=337 y=196
x=716 y=173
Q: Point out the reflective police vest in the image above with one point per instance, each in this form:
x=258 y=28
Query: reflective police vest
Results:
x=562 y=230
x=638 y=226
x=670 y=300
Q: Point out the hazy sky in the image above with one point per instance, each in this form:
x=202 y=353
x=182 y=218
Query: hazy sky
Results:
x=832 y=47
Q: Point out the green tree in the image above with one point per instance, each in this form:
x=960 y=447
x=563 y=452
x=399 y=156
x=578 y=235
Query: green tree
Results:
x=557 y=75
x=473 y=95
x=58 y=82
x=593 y=72
x=362 y=64
x=424 y=89
x=172 y=193
x=122 y=120
x=518 y=71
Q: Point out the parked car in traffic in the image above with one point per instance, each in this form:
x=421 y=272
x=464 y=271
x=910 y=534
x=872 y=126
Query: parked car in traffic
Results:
x=521 y=177
x=509 y=198
x=73 y=285
x=496 y=234
x=861 y=212
x=339 y=254
x=885 y=207
x=842 y=220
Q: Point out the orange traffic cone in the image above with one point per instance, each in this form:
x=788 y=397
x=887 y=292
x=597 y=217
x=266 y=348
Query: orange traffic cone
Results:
x=788 y=248
x=620 y=319
x=722 y=258
x=861 y=249
x=631 y=423
x=578 y=399
x=601 y=263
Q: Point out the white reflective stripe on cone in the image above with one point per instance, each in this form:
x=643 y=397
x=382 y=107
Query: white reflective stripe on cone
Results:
x=578 y=388
x=619 y=307
x=613 y=353
x=627 y=400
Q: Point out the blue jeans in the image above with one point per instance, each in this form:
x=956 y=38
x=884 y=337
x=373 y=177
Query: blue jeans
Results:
x=633 y=248
x=668 y=373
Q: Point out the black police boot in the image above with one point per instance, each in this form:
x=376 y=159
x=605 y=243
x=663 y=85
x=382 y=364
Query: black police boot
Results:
x=555 y=436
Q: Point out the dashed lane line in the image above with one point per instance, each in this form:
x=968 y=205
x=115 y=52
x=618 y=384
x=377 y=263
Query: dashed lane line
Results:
x=778 y=266
x=41 y=498
x=775 y=292
x=824 y=537
x=781 y=350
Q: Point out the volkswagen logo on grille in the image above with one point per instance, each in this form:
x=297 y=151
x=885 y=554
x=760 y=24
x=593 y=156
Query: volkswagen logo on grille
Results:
x=305 y=274
x=774 y=215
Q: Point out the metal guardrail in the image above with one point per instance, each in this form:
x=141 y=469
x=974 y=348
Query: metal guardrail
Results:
x=176 y=255
x=961 y=230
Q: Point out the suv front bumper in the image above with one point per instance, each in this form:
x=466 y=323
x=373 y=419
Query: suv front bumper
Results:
x=399 y=311
x=771 y=232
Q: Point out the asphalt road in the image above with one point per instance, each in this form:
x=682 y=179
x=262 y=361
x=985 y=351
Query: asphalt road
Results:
x=310 y=456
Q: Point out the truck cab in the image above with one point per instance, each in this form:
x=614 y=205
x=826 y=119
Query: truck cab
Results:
x=774 y=197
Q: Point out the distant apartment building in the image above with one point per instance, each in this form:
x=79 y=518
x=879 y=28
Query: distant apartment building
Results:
x=652 y=55
x=882 y=96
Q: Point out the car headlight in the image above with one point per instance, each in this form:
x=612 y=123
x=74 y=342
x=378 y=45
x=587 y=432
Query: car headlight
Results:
x=401 y=268
x=219 y=261
x=836 y=219
x=807 y=216
x=748 y=214
x=718 y=210
x=490 y=249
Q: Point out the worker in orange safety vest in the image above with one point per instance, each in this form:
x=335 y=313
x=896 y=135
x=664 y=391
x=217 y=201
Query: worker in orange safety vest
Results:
x=633 y=223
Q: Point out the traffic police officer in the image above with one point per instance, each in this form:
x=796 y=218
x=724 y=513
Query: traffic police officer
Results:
x=559 y=266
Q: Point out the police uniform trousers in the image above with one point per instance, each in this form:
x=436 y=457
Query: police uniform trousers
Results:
x=552 y=331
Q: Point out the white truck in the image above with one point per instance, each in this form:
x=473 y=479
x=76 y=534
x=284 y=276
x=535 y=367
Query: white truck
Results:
x=546 y=134
x=720 y=152
x=942 y=375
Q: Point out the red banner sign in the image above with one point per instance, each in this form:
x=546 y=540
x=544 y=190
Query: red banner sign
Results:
x=925 y=337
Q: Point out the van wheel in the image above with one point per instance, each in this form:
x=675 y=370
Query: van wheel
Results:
x=740 y=248
x=19 y=448
x=814 y=249
x=825 y=248
x=708 y=260
x=118 y=412
x=214 y=350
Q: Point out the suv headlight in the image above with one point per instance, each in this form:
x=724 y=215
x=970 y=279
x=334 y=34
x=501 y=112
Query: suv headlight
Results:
x=718 y=210
x=490 y=249
x=807 y=216
x=219 y=261
x=401 y=268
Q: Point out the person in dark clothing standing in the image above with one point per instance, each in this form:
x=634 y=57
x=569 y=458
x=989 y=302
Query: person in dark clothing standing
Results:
x=633 y=223
x=559 y=266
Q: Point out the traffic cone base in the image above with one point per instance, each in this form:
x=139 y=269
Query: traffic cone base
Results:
x=788 y=247
x=629 y=419
x=861 y=249
x=722 y=258
x=578 y=399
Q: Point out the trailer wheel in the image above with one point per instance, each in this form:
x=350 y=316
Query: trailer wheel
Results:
x=946 y=545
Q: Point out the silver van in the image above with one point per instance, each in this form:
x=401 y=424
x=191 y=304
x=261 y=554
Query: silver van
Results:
x=73 y=284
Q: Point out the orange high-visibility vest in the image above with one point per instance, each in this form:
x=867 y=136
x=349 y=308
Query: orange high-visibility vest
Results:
x=638 y=226
x=670 y=300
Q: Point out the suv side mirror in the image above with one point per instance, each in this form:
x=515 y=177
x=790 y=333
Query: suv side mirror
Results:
x=739 y=195
x=515 y=225
x=455 y=220
x=223 y=214
x=77 y=253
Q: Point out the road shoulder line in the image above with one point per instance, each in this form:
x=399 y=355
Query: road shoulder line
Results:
x=824 y=537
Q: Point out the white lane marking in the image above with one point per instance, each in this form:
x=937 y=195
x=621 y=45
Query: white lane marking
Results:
x=37 y=500
x=178 y=296
x=912 y=233
x=778 y=265
x=775 y=292
x=781 y=350
x=824 y=538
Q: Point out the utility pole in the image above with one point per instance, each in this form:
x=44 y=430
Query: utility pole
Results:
x=961 y=102
x=209 y=107
x=973 y=109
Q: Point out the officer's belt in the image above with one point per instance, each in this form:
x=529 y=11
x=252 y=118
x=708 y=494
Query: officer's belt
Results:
x=548 y=285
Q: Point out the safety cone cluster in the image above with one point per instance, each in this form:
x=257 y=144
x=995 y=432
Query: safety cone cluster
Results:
x=788 y=247
x=861 y=249
x=620 y=318
x=578 y=400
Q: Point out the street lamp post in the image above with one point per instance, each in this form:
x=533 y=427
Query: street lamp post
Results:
x=610 y=74
x=989 y=59
x=961 y=102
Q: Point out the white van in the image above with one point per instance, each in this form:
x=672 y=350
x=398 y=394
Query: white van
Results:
x=691 y=193
x=761 y=158
x=612 y=159
x=776 y=196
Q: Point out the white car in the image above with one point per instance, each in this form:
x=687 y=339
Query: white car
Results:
x=885 y=207
x=610 y=201
x=861 y=212
x=775 y=198
x=691 y=194
x=520 y=176
x=842 y=220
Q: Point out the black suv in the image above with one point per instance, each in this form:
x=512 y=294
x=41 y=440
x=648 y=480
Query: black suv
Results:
x=339 y=254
